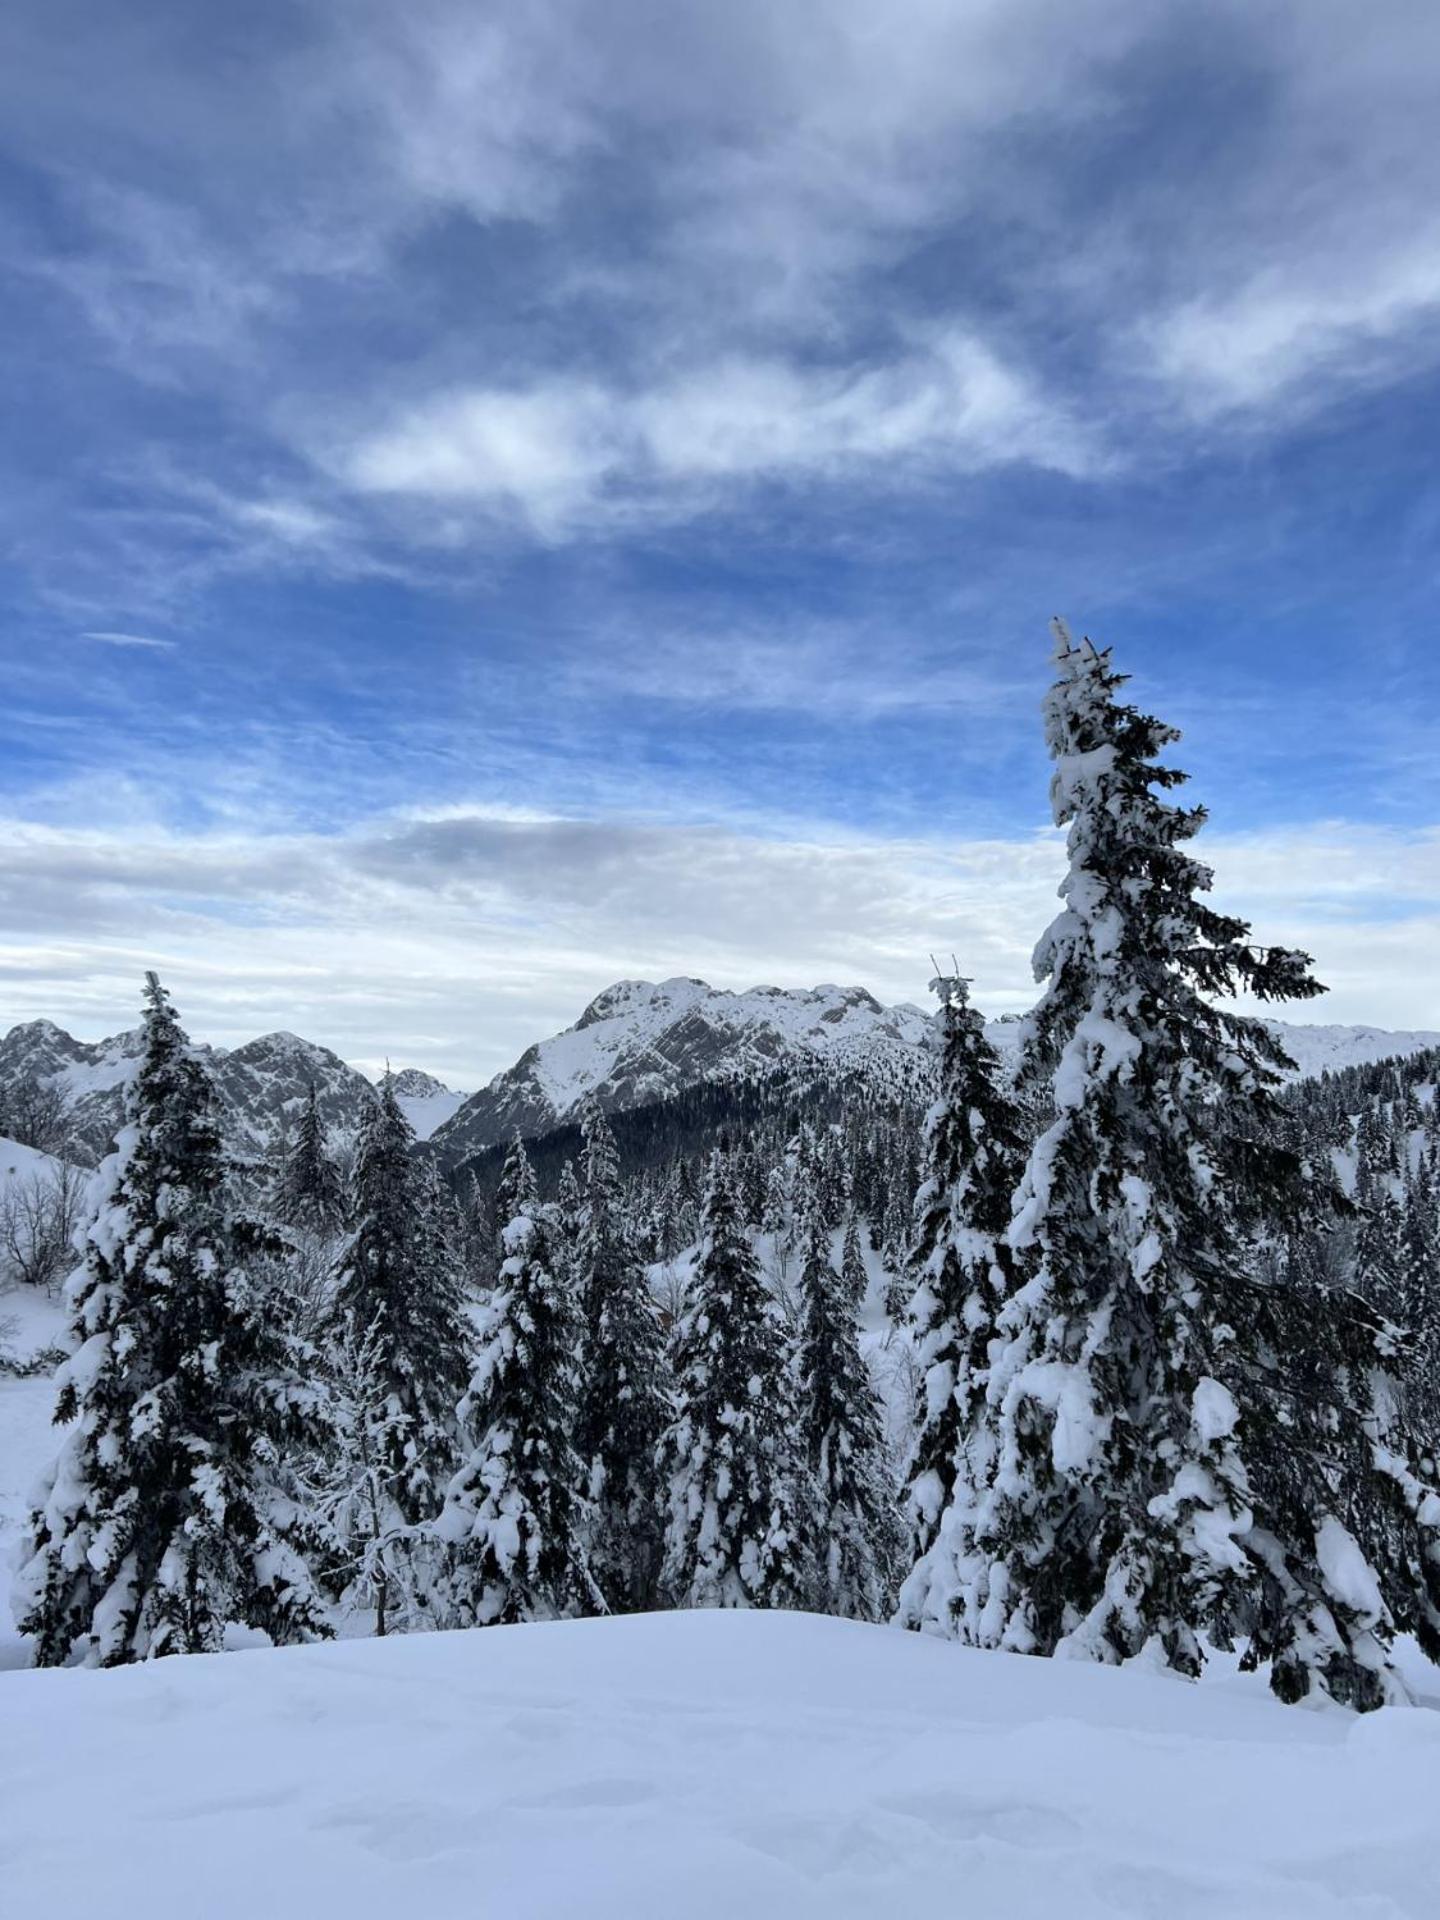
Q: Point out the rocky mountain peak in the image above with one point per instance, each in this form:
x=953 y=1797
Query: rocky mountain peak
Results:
x=641 y=1040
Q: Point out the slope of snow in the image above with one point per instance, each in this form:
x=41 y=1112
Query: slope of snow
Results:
x=701 y=1765
x=427 y=1103
x=429 y=1112
x=636 y=1042
x=639 y=1042
x=23 y=1163
x=1316 y=1049
x=261 y=1086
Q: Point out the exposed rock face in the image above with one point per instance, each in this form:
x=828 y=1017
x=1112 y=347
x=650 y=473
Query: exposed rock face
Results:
x=639 y=1042
x=261 y=1086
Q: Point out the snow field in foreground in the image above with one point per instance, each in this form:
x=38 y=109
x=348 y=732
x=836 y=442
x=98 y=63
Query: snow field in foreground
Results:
x=697 y=1765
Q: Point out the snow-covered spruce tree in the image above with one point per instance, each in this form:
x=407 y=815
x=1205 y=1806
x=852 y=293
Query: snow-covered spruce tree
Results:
x=1117 y=1488
x=1340 y=1466
x=475 y=1235
x=170 y=1515
x=1377 y=1254
x=627 y=1399
x=311 y=1194
x=1418 y=1279
x=688 y=1200
x=856 y=1527
x=852 y=1263
x=832 y=1179
x=399 y=1340
x=1160 y=1463
x=568 y=1213
x=517 y=1516
x=776 y=1212
x=963 y=1271
x=734 y=1534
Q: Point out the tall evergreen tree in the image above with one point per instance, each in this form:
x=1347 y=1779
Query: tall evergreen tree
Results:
x=401 y=1338
x=687 y=1205
x=517 y=1514
x=1160 y=1465
x=963 y=1271
x=1418 y=1265
x=1375 y=1159
x=569 y=1222
x=776 y=1216
x=311 y=1196
x=169 y=1515
x=628 y=1400
x=852 y=1263
x=734 y=1534
x=1377 y=1257
x=476 y=1235
x=857 y=1535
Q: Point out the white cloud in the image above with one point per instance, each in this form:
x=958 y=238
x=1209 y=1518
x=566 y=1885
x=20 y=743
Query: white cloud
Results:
x=156 y=283
x=1333 y=867
x=826 y=670
x=735 y=220
x=563 y=453
x=548 y=453
x=145 y=640
x=454 y=940
x=461 y=110
x=1288 y=338
x=1314 y=271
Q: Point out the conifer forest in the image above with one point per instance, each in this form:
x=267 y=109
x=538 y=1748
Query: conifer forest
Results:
x=1121 y=1346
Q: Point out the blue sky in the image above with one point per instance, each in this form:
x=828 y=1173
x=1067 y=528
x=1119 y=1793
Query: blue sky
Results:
x=498 y=498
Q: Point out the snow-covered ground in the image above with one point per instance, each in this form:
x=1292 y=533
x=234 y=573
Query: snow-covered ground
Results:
x=29 y=1322
x=699 y=1765
x=19 y=1163
x=430 y=1107
x=688 y=1765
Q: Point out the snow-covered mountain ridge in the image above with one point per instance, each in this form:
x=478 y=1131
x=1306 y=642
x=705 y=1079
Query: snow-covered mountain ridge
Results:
x=262 y=1085
x=640 y=1041
x=1314 y=1049
x=426 y=1102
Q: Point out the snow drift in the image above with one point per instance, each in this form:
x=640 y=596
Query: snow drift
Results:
x=699 y=1765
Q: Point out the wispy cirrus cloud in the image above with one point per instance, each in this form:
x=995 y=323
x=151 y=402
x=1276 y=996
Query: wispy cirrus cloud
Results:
x=1284 y=342
x=596 y=272
x=149 y=642
x=569 y=451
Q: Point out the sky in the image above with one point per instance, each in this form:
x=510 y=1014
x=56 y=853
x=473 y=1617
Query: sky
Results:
x=499 y=499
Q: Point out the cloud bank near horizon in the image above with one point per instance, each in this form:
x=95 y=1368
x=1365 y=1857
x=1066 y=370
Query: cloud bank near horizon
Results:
x=453 y=941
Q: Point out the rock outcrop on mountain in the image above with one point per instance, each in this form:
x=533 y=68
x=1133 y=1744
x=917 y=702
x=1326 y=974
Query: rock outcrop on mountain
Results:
x=426 y=1102
x=637 y=1043
x=261 y=1087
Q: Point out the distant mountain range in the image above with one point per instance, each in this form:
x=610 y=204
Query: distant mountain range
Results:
x=636 y=1043
x=262 y=1086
